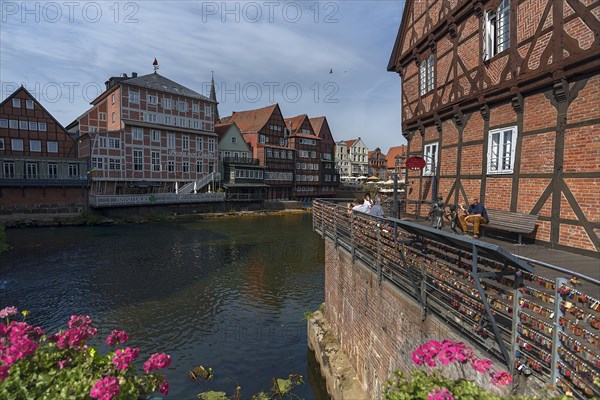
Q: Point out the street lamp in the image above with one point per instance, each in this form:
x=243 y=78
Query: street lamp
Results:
x=399 y=160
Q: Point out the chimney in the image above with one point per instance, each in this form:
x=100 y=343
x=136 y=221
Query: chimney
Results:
x=123 y=75
x=134 y=74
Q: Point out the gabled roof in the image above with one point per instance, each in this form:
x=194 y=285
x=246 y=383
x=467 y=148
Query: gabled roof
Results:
x=252 y=121
x=317 y=124
x=400 y=37
x=158 y=82
x=351 y=142
x=22 y=89
x=392 y=153
x=296 y=122
x=221 y=129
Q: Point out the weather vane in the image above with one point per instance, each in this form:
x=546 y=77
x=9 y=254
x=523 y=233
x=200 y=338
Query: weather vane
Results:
x=155 y=64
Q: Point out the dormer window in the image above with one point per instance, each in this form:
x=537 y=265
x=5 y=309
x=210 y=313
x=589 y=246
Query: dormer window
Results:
x=496 y=27
x=426 y=75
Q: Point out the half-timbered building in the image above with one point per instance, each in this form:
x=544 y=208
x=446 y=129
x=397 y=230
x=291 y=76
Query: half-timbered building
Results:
x=501 y=99
x=330 y=179
x=377 y=164
x=307 y=145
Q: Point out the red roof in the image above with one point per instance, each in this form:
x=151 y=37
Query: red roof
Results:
x=350 y=143
x=251 y=121
x=296 y=122
x=317 y=124
x=393 y=152
x=221 y=129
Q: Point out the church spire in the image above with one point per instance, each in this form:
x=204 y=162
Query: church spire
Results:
x=213 y=95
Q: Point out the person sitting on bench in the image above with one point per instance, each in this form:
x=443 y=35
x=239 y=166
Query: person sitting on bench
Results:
x=476 y=214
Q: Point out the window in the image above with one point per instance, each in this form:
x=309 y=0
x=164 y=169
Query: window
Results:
x=137 y=133
x=269 y=153
x=1 y=143
x=208 y=111
x=29 y=104
x=52 y=170
x=31 y=170
x=182 y=106
x=3 y=123
x=134 y=97
x=171 y=141
x=155 y=135
x=113 y=117
x=233 y=139
x=114 y=164
x=155 y=160
x=24 y=125
x=114 y=143
x=98 y=163
x=185 y=166
x=198 y=144
x=290 y=155
x=52 y=147
x=496 y=26
x=211 y=145
x=426 y=75
x=171 y=166
x=185 y=142
x=16 y=144
x=16 y=103
x=167 y=104
x=102 y=116
x=430 y=156
x=42 y=126
x=9 y=169
x=73 y=170
x=112 y=99
x=14 y=124
x=150 y=117
x=199 y=166
x=152 y=100
x=196 y=108
x=35 y=145
x=138 y=160
x=501 y=150
x=168 y=120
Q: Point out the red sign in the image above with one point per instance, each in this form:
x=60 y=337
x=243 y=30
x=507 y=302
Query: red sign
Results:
x=415 y=163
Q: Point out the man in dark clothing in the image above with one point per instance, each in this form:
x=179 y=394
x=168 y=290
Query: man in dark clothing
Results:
x=476 y=214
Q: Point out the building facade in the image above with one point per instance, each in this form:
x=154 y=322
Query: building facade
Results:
x=265 y=131
x=395 y=162
x=501 y=99
x=330 y=178
x=41 y=173
x=242 y=176
x=307 y=148
x=149 y=134
x=377 y=163
x=352 y=158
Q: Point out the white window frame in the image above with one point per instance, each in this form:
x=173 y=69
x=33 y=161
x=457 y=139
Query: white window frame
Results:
x=16 y=103
x=138 y=159
x=185 y=142
x=35 y=145
x=137 y=133
x=1 y=143
x=134 y=97
x=42 y=127
x=29 y=104
x=196 y=108
x=170 y=166
x=16 y=144
x=152 y=100
x=101 y=116
x=501 y=154
x=155 y=160
x=430 y=154
x=496 y=30
x=4 y=123
x=171 y=141
x=155 y=135
x=24 y=125
x=167 y=104
x=52 y=170
x=8 y=169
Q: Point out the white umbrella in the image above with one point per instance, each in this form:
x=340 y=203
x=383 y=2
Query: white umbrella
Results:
x=361 y=178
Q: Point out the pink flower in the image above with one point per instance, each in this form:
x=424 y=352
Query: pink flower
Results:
x=75 y=337
x=61 y=364
x=8 y=312
x=123 y=358
x=4 y=372
x=417 y=357
x=501 y=378
x=106 y=389
x=440 y=394
x=481 y=366
x=157 y=361
x=164 y=387
x=116 y=337
x=80 y=321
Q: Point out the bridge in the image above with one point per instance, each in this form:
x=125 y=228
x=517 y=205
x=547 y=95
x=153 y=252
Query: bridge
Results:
x=540 y=320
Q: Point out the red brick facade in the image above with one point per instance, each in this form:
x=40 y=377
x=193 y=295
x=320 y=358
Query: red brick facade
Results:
x=519 y=128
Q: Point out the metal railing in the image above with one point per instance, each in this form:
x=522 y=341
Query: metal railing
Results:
x=536 y=325
x=245 y=197
x=100 y=201
x=241 y=160
x=200 y=183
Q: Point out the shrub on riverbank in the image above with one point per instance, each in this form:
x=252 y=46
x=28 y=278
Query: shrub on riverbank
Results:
x=66 y=366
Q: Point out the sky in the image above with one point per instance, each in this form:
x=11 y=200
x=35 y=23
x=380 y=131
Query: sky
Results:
x=312 y=57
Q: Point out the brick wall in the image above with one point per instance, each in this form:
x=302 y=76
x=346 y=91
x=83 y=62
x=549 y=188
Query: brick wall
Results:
x=33 y=203
x=377 y=326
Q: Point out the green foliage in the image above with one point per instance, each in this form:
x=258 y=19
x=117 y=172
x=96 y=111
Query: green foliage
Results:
x=87 y=218
x=422 y=383
x=3 y=245
x=281 y=389
x=309 y=314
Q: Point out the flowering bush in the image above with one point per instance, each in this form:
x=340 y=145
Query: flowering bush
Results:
x=430 y=384
x=65 y=366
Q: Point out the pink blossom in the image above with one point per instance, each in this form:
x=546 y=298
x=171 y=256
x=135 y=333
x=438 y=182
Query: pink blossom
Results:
x=501 y=378
x=106 y=389
x=8 y=312
x=61 y=364
x=481 y=366
x=123 y=358
x=116 y=337
x=417 y=357
x=4 y=372
x=80 y=321
x=157 y=361
x=440 y=394
x=75 y=337
x=164 y=387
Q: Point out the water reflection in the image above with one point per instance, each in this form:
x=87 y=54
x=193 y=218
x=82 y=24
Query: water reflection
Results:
x=226 y=293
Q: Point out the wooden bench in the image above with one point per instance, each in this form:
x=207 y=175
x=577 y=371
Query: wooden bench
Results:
x=512 y=222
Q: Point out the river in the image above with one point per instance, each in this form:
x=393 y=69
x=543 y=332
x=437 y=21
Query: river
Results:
x=229 y=293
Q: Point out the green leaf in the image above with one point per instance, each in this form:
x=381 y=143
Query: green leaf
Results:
x=212 y=395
